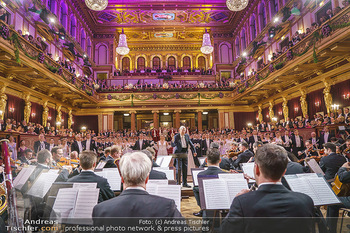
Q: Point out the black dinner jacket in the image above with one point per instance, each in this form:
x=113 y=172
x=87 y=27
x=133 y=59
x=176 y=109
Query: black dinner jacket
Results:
x=92 y=145
x=294 y=142
x=330 y=165
x=270 y=209
x=102 y=183
x=37 y=146
x=210 y=171
x=205 y=146
x=75 y=147
x=131 y=204
x=178 y=146
x=251 y=140
x=243 y=158
x=137 y=145
x=157 y=175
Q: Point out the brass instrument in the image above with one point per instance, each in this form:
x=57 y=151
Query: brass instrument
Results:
x=13 y=220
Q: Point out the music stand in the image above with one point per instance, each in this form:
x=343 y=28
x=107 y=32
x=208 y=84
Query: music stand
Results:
x=179 y=156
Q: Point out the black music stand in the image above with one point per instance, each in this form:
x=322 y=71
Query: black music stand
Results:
x=179 y=172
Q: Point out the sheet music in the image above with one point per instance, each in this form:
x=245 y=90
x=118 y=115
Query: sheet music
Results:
x=201 y=160
x=157 y=182
x=159 y=160
x=169 y=172
x=166 y=161
x=23 y=177
x=195 y=176
x=172 y=192
x=315 y=187
x=216 y=194
x=84 y=185
x=151 y=189
x=315 y=167
x=101 y=165
x=113 y=177
x=65 y=202
x=42 y=184
x=231 y=176
x=248 y=168
x=234 y=186
x=86 y=200
x=54 y=171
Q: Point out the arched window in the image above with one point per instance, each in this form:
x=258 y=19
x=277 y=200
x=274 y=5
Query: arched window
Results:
x=274 y=7
x=224 y=54
x=126 y=63
x=262 y=16
x=252 y=27
x=186 y=62
x=51 y=5
x=89 y=47
x=156 y=63
x=201 y=62
x=73 y=26
x=243 y=42
x=83 y=39
x=237 y=47
x=171 y=63
x=63 y=16
x=141 y=63
x=102 y=55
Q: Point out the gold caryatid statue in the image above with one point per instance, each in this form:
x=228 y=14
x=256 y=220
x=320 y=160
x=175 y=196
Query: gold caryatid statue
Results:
x=27 y=110
x=327 y=96
x=45 y=114
x=285 y=108
x=260 y=116
x=59 y=114
x=3 y=102
x=271 y=113
x=303 y=102
x=70 y=119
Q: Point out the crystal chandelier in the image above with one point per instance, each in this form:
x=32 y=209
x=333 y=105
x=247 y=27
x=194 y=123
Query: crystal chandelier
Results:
x=206 y=48
x=122 y=48
x=236 y=5
x=96 y=5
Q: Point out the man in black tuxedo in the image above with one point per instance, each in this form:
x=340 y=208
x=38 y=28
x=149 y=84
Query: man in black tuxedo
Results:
x=182 y=143
x=134 y=201
x=331 y=163
x=325 y=136
x=89 y=144
x=287 y=142
x=297 y=142
x=141 y=144
x=254 y=138
x=272 y=208
x=213 y=161
x=77 y=145
x=87 y=161
x=206 y=142
x=154 y=174
x=242 y=157
x=41 y=144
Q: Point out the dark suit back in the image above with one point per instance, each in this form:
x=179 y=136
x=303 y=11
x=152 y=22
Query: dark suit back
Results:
x=271 y=208
x=133 y=203
x=157 y=175
x=243 y=158
x=210 y=171
x=330 y=165
x=102 y=183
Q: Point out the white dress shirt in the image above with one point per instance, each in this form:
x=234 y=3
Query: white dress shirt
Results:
x=326 y=137
x=297 y=141
x=183 y=142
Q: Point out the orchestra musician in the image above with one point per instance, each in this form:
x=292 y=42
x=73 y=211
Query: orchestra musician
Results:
x=315 y=141
x=154 y=174
x=308 y=152
x=242 y=157
x=213 y=161
x=331 y=163
x=28 y=158
x=87 y=161
x=346 y=151
x=113 y=159
x=251 y=210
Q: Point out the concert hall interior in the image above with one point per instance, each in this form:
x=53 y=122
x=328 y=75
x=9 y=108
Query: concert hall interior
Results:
x=201 y=110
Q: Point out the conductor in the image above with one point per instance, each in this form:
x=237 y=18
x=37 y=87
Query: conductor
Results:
x=182 y=142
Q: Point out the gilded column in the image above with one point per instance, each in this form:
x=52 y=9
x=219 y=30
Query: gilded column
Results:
x=133 y=120
x=199 y=120
x=155 y=119
x=271 y=113
x=3 y=102
x=260 y=116
x=303 y=102
x=45 y=114
x=70 y=119
x=27 y=108
x=328 y=99
x=59 y=115
x=285 y=108
x=177 y=118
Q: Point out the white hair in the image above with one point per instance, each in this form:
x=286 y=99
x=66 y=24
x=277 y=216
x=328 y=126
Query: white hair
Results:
x=181 y=128
x=135 y=168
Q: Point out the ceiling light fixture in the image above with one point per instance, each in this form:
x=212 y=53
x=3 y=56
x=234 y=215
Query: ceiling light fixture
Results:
x=122 y=48
x=96 y=5
x=206 y=48
x=236 y=5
